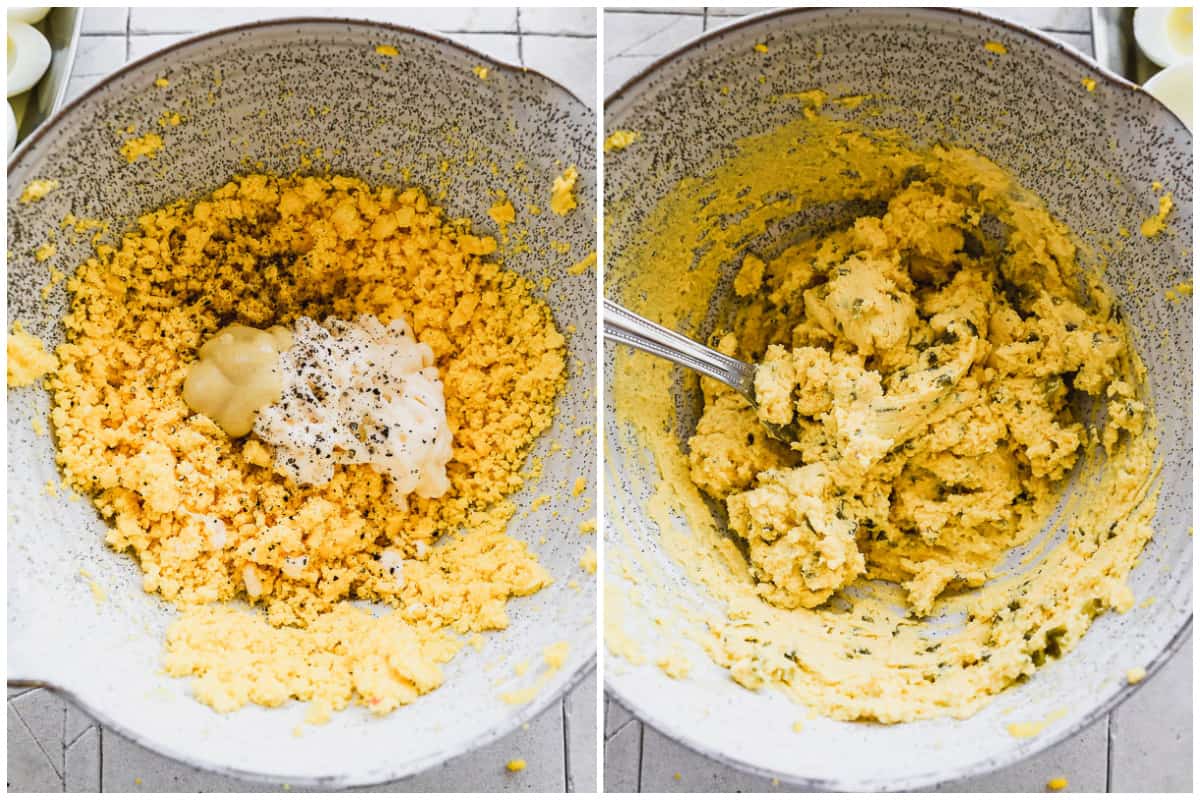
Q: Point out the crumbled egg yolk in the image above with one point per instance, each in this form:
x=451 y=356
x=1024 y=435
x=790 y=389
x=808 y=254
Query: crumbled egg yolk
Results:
x=36 y=190
x=583 y=265
x=619 y=140
x=147 y=146
x=502 y=213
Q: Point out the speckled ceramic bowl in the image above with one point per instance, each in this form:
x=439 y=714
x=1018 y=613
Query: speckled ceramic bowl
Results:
x=1027 y=111
x=249 y=94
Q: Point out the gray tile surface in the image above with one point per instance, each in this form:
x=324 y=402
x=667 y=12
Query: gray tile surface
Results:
x=553 y=54
x=570 y=21
x=623 y=756
x=634 y=40
x=128 y=767
x=1151 y=734
x=580 y=719
x=30 y=767
x=54 y=746
x=1146 y=745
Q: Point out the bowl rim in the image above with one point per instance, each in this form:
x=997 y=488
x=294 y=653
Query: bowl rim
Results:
x=1030 y=747
x=385 y=773
x=1108 y=75
x=437 y=38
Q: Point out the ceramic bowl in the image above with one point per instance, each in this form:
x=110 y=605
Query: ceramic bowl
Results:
x=249 y=93
x=1092 y=155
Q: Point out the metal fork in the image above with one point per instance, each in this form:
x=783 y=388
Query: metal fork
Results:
x=624 y=326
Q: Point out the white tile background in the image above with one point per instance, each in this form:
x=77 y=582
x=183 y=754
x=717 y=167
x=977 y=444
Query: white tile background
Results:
x=559 y=42
x=53 y=746
x=1145 y=745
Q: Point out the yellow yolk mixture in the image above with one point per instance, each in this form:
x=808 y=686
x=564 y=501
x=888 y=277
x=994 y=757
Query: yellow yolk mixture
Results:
x=207 y=517
x=946 y=362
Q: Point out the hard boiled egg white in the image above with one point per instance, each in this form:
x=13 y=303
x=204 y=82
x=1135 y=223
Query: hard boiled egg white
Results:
x=28 y=14
x=28 y=57
x=1173 y=86
x=12 y=128
x=1164 y=34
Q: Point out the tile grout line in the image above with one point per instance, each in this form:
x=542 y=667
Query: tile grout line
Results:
x=554 y=35
x=641 y=754
x=520 y=40
x=566 y=722
x=62 y=741
x=670 y=12
x=1108 y=747
x=608 y=737
x=74 y=741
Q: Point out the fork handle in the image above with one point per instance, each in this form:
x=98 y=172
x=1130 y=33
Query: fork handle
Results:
x=624 y=326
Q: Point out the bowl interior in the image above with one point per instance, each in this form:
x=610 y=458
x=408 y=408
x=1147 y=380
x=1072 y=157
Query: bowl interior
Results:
x=1091 y=155
x=259 y=98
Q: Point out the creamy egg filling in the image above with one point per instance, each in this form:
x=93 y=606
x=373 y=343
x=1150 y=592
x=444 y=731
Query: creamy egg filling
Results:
x=957 y=373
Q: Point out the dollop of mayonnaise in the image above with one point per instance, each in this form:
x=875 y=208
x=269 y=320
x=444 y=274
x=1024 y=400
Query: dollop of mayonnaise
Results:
x=360 y=393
